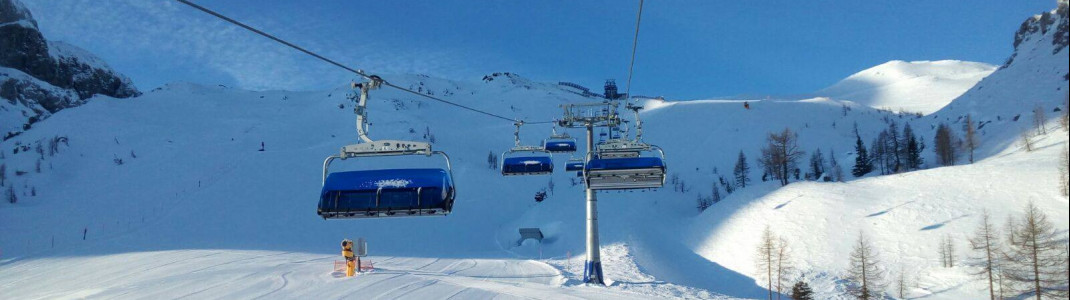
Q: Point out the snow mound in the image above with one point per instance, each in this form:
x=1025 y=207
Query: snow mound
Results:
x=920 y=86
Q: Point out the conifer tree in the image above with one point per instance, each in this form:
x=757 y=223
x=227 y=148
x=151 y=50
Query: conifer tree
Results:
x=802 y=291
x=912 y=150
x=817 y=164
x=862 y=163
x=742 y=171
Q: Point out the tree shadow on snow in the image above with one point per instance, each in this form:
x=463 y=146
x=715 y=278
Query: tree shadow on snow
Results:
x=883 y=212
x=941 y=224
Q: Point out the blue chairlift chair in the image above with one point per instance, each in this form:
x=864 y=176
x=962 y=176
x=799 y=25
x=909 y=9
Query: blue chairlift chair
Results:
x=384 y=192
x=559 y=143
x=620 y=165
x=527 y=161
x=574 y=164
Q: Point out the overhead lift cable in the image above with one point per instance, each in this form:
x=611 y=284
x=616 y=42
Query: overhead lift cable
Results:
x=635 y=45
x=356 y=71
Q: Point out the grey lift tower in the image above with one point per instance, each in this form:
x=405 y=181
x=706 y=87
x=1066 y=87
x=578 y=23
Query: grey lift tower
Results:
x=589 y=116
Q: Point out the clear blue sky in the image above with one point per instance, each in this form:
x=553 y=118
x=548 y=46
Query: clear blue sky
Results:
x=688 y=49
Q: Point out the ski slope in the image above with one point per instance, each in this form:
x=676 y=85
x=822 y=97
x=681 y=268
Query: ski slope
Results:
x=194 y=210
x=199 y=187
x=230 y=274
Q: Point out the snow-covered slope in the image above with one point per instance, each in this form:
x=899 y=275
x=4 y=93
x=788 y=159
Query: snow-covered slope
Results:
x=175 y=170
x=1036 y=76
x=904 y=215
x=919 y=87
x=168 y=197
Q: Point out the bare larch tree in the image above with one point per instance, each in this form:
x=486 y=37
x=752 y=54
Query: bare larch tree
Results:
x=865 y=273
x=1035 y=254
x=944 y=145
x=784 y=267
x=986 y=250
x=1039 y=118
x=781 y=155
x=970 y=131
x=764 y=262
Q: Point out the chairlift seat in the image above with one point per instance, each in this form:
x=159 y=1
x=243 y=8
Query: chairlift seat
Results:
x=560 y=146
x=386 y=193
x=625 y=173
x=527 y=165
x=574 y=166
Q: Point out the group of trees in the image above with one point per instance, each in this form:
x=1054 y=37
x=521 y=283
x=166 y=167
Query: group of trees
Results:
x=492 y=161
x=45 y=148
x=1030 y=259
x=947 y=252
x=780 y=159
x=1039 y=127
x=774 y=264
x=866 y=275
x=892 y=151
x=948 y=147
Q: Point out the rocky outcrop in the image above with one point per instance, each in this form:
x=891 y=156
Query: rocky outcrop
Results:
x=1054 y=24
x=40 y=77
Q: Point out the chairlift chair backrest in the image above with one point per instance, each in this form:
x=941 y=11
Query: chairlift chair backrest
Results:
x=614 y=169
x=527 y=161
x=559 y=143
x=574 y=164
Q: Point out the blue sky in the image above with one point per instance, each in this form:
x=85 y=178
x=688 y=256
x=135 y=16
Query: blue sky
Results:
x=688 y=49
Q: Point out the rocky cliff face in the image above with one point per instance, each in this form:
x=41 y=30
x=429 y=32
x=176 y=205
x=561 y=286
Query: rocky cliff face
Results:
x=1050 y=27
x=39 y=77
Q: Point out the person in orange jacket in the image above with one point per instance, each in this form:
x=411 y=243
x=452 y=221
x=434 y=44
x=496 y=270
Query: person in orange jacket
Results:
x=347 y=253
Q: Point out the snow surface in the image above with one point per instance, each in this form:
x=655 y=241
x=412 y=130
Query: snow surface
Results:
x=60 y=50
x=904 y=215
x=919 y=86
x=393 y=183
x=197 y=159
x=196 y=211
